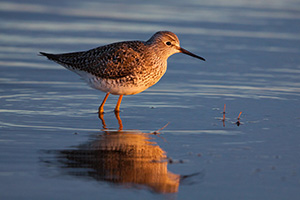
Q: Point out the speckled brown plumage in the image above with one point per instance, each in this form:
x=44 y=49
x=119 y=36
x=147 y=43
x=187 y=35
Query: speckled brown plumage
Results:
x=112 y=61
x=123 y=68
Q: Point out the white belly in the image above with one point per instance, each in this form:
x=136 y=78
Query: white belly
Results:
x=111 y=86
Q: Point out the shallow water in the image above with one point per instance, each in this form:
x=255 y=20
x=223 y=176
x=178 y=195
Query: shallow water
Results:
x=54 y=146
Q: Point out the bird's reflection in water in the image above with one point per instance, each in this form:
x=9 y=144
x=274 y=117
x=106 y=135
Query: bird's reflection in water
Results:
x=128 y=158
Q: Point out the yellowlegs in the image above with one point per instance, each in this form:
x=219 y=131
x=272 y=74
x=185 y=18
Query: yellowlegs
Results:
x=123 y=68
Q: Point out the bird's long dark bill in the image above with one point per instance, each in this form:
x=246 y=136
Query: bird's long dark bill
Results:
x=182 y=50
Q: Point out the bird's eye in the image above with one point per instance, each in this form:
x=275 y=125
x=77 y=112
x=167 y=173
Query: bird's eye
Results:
x=168 y=43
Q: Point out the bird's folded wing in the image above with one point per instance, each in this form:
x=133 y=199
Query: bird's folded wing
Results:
x=112 y=61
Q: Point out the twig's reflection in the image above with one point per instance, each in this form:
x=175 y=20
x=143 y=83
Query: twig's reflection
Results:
x=128 y=158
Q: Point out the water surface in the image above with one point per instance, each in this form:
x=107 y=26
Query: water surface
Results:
x=54 y=146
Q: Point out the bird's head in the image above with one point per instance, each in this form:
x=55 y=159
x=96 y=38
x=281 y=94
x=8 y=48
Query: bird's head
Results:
x=167 y=44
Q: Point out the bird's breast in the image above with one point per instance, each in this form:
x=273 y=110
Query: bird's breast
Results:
x=143 y=77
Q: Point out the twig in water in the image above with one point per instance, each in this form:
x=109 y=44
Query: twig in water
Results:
x=157 y=131
x=238 y=123
x=224 y=115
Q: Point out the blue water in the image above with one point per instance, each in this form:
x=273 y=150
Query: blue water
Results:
x=54 y=146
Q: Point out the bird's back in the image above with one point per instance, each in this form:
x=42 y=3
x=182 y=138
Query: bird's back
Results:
x=111 y=61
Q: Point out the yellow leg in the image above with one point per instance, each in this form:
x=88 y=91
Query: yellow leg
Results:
x=101 y=110
x=117 y=109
